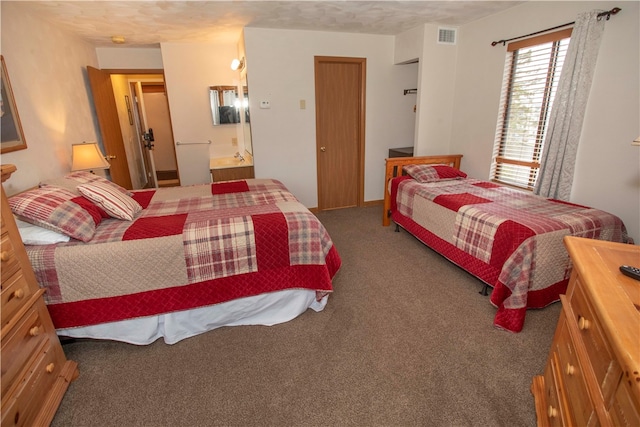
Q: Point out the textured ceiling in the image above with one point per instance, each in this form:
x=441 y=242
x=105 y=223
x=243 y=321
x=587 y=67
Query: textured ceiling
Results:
x=147 y=23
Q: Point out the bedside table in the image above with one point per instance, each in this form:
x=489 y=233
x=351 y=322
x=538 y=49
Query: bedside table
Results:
x=401 y=152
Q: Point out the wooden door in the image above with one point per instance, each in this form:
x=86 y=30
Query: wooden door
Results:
x=156 y=107
x=105 y=103
x=145 y=148
x=340 y=120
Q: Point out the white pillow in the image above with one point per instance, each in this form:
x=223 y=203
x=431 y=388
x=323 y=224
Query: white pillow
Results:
x=113 y=201
x=34 y=235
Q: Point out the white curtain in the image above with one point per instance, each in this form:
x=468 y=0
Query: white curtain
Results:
x=567 y=114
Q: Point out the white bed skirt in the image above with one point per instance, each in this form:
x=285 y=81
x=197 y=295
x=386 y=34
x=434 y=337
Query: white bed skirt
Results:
x=265 y=309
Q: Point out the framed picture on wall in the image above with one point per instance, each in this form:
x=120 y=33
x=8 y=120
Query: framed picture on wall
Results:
x=12 y=138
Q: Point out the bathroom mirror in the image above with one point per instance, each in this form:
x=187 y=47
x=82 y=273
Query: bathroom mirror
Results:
x=225 y=105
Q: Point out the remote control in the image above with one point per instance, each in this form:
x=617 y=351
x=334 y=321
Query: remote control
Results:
x=633 y=272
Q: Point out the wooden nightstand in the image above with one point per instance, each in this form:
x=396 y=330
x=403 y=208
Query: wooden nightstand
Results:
x=401 y=152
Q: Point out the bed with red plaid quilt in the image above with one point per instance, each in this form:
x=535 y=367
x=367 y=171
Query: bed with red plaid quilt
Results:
x=190 y=247
x=511 y=240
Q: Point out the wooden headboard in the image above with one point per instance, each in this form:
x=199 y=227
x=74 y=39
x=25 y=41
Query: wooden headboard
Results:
x=394 y=168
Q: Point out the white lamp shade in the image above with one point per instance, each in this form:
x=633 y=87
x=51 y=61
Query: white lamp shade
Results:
x=87 y=156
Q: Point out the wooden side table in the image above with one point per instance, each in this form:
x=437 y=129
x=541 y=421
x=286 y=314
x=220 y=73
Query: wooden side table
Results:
x=401 y=152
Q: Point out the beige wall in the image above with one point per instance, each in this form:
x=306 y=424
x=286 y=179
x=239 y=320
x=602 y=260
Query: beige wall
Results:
x=47 y=69
x=189 y=71
x=436 y=86
x=608 y=167
x=280 y=69
x=121 y=58
x=408 y=45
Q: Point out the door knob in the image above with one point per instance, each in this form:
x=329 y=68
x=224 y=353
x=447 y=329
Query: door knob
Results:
x=110 y=157
x=323 y=149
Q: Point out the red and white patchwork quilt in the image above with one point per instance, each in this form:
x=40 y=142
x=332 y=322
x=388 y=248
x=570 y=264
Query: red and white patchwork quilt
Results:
x=190 y=247
x=510 y=239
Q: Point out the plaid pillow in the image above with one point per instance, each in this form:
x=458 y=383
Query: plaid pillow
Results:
x=72 y=180
x=59 y=210
x=113 y=201
x=432 y=173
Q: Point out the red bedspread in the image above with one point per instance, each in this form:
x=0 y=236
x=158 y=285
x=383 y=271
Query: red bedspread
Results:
x=510 y=239
x=191 y=247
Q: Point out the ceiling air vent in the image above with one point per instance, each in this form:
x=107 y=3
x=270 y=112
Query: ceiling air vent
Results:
x=447 y=35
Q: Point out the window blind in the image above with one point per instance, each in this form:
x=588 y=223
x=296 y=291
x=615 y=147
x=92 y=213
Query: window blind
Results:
x=531 y=75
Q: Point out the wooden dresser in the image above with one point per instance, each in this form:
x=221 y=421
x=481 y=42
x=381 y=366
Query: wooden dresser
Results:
x=35 y=371
x=592 y=375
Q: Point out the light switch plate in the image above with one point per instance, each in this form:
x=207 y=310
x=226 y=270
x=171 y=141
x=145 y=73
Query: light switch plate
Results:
x=265 y=104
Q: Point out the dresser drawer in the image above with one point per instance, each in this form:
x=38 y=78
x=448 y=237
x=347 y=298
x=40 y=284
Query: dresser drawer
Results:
x=624 y=409
x=19 y=346
x=555 y=412
x=8 y=258
x=605 y=366
x=23 y=406
x=573 y=377
x=15 y=293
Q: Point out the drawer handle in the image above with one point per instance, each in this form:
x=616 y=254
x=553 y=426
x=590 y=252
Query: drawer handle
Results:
x=570 y=369
x=5 y=256
x=50 y=367
x=35 y=331
x=552 y=412
x=18 y=293
x=583 y=323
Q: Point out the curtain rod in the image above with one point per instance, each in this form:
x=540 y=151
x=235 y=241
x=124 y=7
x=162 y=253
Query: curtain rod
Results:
x=608 y=14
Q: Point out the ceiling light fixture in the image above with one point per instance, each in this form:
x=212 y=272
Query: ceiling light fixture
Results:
x=117 y=39
x=237 y=64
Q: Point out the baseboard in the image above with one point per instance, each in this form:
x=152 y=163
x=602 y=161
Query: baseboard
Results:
x=367 y=204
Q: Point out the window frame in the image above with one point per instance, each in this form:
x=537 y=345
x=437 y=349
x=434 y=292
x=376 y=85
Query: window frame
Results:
x=502 y=128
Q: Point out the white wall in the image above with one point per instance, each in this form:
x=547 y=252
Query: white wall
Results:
x=436 y=85
x=46 y=66
x=280 y=69
x=189 y=71
x=121 y=58
x=408 y=45
x=47 y=70
x=608 y=167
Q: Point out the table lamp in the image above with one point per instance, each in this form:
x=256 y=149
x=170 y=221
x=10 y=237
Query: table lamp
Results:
x=87 y=156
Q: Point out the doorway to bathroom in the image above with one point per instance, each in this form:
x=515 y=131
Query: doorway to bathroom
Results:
x=153 y=123
x=127 y=126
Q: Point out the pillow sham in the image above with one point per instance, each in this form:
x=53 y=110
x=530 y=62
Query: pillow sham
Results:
x=35 y=235
x=113 y=201
x=59 y=210
x=72 y=180
x=432 y=173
